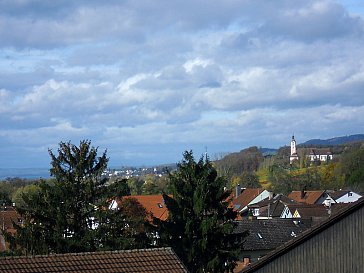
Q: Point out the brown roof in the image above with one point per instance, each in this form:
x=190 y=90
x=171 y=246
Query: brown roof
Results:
x=307 y=211
x=246 y=197
x=320 y=151
x=143 y=260
x=153 y=204
x=8 y=214
x=309 y=197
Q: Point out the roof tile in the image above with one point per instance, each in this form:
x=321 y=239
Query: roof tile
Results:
x=143 y=260
x=307 y=197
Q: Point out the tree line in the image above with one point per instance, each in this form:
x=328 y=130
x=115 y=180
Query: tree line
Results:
x=250 y=168
x=71 y=213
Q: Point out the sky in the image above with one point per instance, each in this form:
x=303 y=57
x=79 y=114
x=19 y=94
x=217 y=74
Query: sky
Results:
x=147 y=80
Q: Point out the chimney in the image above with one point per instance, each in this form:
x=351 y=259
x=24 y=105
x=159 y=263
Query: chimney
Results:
x=302 y=194
x=238 y=190
x=270 y=195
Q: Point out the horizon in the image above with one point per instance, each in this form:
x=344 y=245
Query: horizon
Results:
x=150 y=81
x=212 y=157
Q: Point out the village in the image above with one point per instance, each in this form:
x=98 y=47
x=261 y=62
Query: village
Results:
x=273 y=222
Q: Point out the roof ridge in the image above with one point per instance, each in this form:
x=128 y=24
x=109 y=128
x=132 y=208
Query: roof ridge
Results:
x=88 y=253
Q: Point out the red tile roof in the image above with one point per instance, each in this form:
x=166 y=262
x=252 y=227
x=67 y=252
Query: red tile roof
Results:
x=7 y=216
x=246 y=197
x=144 y=260
x=309 y=197
x=154 y=204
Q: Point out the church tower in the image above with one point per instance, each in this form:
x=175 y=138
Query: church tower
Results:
x=294 y=155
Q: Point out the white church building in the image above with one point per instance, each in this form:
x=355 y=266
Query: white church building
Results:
x=316 y=154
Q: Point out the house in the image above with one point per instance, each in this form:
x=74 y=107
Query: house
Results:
x=8 y=216
x=315 y=154
x=266 y=235
x=320 y=154
x=271 y=207
x=154 y=204
x=306 y=211
x=334 y=245
x=310 y=197
x=247 y=196
x=345 y=196
x=140 y=260
x=316 y=212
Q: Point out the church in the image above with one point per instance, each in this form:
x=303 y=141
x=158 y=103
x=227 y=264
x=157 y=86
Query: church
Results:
x=315 y=154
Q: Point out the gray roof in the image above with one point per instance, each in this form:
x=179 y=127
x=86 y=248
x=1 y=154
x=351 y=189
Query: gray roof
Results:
x=276 y=205
x=337 y=194
x=306 y=235
x=268 y=234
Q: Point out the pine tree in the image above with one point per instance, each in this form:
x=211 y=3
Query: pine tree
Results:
x=70 y=213
x=200 y=224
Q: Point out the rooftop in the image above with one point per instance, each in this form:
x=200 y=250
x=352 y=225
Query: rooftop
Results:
x=307 y=197
x=154 y=204
x=306 y=235
x=143 y=260
x=245 y=198
x=268 y=234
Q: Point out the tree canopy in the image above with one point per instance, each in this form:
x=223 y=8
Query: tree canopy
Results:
x=200 y=224
x=70 y=213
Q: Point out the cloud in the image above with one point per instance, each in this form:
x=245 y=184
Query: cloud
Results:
x=143 y=78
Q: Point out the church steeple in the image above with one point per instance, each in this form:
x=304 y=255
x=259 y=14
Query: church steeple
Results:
x=294 y=155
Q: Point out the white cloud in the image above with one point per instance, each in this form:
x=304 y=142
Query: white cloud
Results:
x=141 y=78
x=191 y=64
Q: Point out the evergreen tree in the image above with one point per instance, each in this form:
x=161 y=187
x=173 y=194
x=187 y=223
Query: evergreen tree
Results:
x=71 y=214
x=200 y=224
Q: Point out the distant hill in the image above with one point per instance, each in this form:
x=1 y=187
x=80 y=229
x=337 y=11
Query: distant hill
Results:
x=247 y=160
x=335 y=140
x=268 y=151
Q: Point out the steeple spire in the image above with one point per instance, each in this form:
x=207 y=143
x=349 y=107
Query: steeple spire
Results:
x=294 y=155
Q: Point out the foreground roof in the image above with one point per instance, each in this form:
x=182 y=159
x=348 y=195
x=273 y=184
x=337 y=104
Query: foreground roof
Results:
x=346 y=225
x=142 y=260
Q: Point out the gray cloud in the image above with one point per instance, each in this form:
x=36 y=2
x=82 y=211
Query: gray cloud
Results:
x=148 y=80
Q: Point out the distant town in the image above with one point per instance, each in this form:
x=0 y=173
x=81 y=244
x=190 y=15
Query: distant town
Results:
x=262 y=206
x=129 y=172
